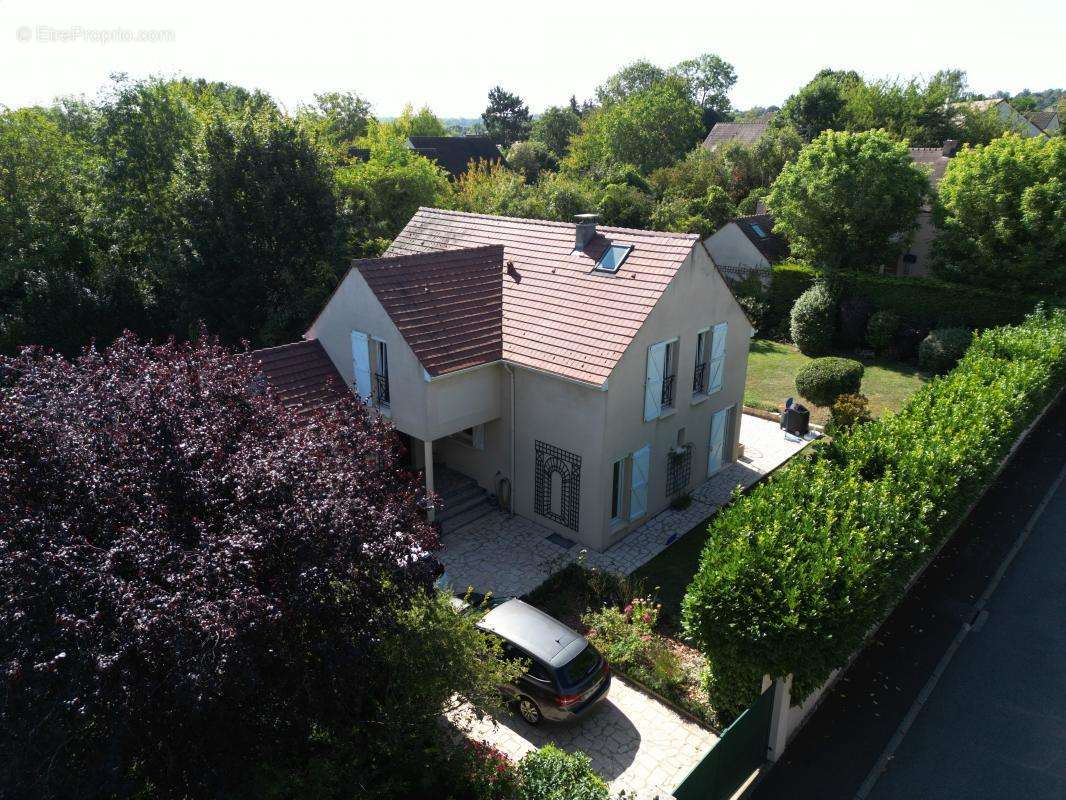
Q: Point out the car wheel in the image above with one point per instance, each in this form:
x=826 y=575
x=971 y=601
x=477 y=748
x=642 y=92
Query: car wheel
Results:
x=530 y=711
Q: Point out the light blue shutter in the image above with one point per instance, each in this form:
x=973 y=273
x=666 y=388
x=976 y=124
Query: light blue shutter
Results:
x=653 y=383
x=717 y=362
x=478 y=438
x=716 y=443
x=638 y=484
x=361 y=364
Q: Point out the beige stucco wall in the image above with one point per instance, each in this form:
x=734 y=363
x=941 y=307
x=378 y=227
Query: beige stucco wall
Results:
x=697 y=298
x=426 y=410
x=729 y=247
x=921 y=246
x=599 y=424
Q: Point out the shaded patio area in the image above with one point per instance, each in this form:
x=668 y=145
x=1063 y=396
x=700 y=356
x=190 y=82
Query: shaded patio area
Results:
x=513 y=555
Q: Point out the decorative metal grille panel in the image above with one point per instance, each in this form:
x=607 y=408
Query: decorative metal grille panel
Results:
x=551 y=460
x=678 y=471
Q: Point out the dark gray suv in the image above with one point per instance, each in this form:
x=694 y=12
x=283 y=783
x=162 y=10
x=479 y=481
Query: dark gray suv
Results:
x=567 y=675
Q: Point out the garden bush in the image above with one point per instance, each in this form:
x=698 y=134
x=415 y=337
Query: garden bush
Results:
x=813 y=321
x=847 y=411
x=942 y=349
x=553 y=774
x=881 y=329
x=824 y=379
x=628 y=641
x=787 y=283
x=796 y=574
x=854 y=314
x=482 y=772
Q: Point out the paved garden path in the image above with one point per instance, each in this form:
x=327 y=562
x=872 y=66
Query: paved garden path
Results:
x=635 y=742
x=513 y=555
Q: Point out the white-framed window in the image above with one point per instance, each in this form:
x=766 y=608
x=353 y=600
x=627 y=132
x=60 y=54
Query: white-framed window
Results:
x=660 y=378
x=471 y=437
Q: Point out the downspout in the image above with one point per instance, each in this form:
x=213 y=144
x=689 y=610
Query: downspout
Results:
x=514 y=482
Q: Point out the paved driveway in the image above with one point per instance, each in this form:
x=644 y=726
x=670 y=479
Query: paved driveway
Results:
x=513 y=555
x=635 y=742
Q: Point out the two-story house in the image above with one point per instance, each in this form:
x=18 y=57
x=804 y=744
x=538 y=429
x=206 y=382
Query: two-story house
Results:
x=584 y=375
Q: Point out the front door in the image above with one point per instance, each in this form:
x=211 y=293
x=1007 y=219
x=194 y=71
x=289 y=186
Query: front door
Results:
x=716 y=445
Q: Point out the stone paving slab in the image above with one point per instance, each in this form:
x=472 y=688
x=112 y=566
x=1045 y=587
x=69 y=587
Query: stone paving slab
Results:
x=511 y=555
x=635 y=742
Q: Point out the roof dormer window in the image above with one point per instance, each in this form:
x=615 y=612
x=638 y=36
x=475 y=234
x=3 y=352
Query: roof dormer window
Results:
x=613 y=257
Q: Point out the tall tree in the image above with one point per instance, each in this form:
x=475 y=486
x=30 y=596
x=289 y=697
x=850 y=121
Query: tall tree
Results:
x=259 y=231
x=554 y=128
x=506 y=117
x=639 y=76
x=710 y=78
x=193 y=580
x=650 y=129
x=1002 y=208
x=849 y=200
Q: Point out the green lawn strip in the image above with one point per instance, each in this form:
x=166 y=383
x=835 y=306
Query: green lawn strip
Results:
x=772 y=368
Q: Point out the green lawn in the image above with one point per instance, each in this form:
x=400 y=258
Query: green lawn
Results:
x=772 y=369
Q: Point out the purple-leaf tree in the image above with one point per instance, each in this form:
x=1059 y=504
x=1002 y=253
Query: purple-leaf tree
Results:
x=192 y=576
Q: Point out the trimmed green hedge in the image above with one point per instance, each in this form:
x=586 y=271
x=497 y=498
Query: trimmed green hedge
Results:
x=823 y=380
x=795 y=574
x=921 y=302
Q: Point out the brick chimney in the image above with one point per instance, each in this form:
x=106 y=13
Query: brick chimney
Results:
x=586 y=229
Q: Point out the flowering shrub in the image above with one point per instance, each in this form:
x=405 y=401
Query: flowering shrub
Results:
x=485 y=773
x=628 y=641
x=796 y=573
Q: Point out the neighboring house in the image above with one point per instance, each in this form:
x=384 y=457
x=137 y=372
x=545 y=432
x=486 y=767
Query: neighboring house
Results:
x=747 y=133
x=1047 y=121
x=747 y=245
x=454 y=153
x=1008 y=114
x=591 y=374
x=934 y=160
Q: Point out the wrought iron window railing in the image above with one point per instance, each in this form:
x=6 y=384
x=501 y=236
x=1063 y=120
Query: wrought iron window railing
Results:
x=668 y=391
x=699 y=378
x=382 y=393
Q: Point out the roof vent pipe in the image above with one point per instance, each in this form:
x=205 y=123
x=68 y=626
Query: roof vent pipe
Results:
x=586 y=229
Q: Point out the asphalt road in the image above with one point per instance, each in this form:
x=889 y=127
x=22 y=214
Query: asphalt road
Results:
x=833 y=754
x=995 y=724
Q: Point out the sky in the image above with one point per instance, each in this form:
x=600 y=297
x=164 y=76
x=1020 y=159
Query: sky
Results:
x=449 y=54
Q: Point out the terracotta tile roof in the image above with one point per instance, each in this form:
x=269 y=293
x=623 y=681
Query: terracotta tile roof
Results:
x=447 y=306
x=454 y=153
x=559 y=315
x=301 y=374
x=771 y=245
x=743 y=132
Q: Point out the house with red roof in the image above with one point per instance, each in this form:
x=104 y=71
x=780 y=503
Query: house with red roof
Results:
x=578 y=375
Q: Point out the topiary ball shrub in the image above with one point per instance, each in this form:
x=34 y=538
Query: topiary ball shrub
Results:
x=881 y=330
x=941 y=350
x=554 y=774
x=824 y=379
x=854 y=314
x=813 y=321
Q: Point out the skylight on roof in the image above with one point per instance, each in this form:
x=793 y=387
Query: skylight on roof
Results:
x=758 y=231
x=613 y=257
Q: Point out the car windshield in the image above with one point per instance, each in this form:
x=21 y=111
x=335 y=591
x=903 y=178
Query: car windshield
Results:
x=582 y=665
